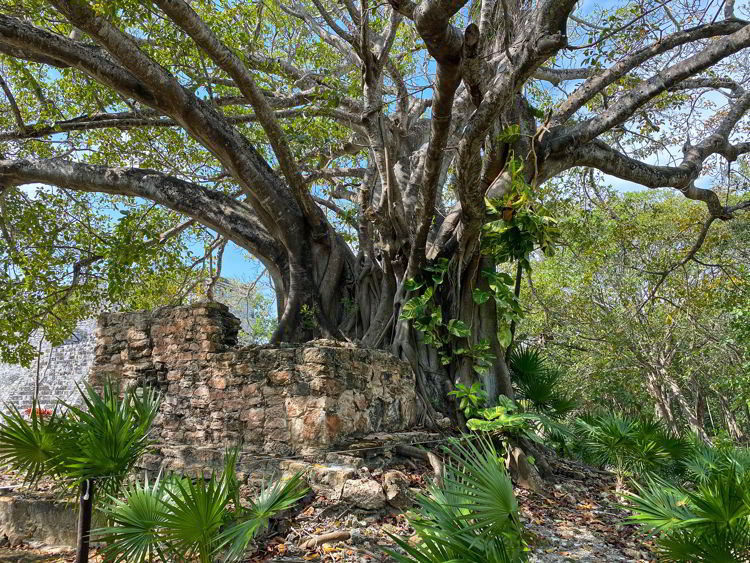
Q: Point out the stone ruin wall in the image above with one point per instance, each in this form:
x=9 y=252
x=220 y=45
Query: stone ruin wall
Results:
x=277 y=401
x=60 y=368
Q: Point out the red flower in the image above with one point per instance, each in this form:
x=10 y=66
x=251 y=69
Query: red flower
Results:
x=39 y=412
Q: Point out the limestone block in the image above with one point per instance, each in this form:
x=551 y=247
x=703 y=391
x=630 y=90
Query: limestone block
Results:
x=281 y=377
x=254 y=418
x=325 y=480
x=364 y=493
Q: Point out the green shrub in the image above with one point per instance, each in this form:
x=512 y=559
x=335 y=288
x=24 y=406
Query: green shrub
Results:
x=626 y=444
x=505 y=420
x=101 y=442
x=473 y=518
x=706 y=461
x=90 y=448
x=538 y=383
x=708 y=524
x=178 y=519
x=470 y=399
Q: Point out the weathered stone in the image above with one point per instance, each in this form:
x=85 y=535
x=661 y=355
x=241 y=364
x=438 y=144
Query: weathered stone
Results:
x=218 y=382
x=254 y=417
x=283 y=400
x=48 y=521
x=335 y=458
x=396 y=488
x=364 y=493
x=325 y=480
x=280 y=377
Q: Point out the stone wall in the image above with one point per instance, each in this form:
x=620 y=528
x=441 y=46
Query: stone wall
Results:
x=62 y=367
x=59 y=369
x=292 y=400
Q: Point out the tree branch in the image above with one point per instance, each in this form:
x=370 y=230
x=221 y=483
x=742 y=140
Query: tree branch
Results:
x=276 y=206
x=597 y=154
x=13 y=105
x=557 y=75
x=232 y=219
x=601 y=80
x=186 y=18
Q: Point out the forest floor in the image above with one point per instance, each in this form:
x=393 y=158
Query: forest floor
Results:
x=575 y=518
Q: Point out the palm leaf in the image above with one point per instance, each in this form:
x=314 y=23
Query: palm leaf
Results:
x=137 y=524
x=32 y=446
x=193 y=517
x=473 y=517
x=272 y=500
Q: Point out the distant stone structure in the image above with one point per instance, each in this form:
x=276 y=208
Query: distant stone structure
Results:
x=59 y=369
x=275 y=401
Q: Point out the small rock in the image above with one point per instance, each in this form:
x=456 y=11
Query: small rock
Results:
x=396 y=486
x=364 y=493
x=324 y=480
x=444 y=422
x=342 y=459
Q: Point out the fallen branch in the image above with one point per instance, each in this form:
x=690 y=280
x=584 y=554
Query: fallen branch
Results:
x=429 y=457
x=329 y=537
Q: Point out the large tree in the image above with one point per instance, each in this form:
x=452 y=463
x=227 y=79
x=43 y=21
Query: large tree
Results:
x=378 y=159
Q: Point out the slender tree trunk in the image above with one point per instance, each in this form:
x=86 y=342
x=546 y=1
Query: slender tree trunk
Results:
x=85 y=510
x=662 y=401
x=695 y=424
x=700 y=404
x=730 y=419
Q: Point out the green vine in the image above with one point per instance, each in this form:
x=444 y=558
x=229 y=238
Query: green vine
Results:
x=518 y=227
x=427 y=315
x=520 y=224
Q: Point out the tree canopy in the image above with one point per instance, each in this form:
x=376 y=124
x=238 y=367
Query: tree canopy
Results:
x=380 y=160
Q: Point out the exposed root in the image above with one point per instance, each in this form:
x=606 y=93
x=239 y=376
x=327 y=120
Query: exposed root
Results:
x=429 y=457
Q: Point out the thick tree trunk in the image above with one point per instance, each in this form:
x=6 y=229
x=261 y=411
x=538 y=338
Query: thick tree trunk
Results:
x=317 y=286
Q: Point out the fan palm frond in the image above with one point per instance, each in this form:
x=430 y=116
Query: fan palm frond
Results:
x=473 y=518
x=137 y=521
x=32 y=446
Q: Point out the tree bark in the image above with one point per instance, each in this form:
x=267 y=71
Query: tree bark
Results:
x=662 y=402
x=322 y=288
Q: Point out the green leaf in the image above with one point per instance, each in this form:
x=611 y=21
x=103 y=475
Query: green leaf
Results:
x=480 y=296
x=413 y=284
x=504 y=335
x=458 y=328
